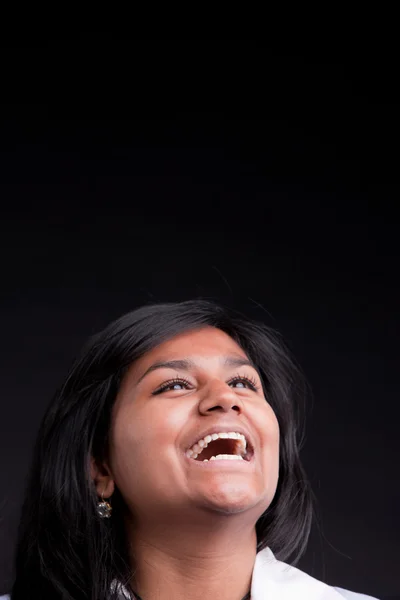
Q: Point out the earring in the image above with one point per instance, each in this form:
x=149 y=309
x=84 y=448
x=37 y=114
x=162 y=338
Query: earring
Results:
x=104 y=508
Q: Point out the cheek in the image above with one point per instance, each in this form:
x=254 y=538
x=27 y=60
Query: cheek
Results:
x=267 y=419
x=126 y=448
x=269 y=434
x=270 y=449
x=144 y=436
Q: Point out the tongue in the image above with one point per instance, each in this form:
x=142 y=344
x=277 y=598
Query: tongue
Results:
x=215 y=447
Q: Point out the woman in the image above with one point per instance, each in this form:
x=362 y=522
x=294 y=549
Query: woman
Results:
x=167 y=467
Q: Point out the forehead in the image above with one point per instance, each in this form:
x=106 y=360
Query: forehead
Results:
x=206 y=341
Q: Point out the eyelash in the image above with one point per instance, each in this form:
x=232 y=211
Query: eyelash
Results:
x=251 y=381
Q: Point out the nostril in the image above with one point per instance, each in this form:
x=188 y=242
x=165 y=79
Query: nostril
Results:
x=235 y=407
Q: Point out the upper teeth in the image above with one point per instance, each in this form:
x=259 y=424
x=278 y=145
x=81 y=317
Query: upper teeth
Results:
x=199 y=446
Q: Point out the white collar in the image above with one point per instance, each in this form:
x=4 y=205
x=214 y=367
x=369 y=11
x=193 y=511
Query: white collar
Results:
x=275 y=579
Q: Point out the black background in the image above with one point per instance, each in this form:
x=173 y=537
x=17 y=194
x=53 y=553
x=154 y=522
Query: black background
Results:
x=272 y=186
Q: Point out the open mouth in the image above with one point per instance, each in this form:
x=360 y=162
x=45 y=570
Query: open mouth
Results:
x=232 y=447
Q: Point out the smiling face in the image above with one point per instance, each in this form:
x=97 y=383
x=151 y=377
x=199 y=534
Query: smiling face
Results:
x=161 y=411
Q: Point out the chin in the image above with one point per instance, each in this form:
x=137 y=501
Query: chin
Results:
x=231 y=500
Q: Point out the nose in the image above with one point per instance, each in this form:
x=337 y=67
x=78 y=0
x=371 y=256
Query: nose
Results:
x=219 y=396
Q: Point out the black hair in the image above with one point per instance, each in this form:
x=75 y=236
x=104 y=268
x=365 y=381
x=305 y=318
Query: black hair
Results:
x=64 y=549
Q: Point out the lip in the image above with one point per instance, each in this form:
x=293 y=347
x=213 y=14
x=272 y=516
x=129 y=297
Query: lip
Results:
x=224 y=429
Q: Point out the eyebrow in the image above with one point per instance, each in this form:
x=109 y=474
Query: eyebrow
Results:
x=185 y=364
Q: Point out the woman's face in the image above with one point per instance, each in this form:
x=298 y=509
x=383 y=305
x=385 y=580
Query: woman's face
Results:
x=163 y=409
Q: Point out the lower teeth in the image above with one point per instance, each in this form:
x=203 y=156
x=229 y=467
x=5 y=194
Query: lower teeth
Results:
x=225 y=456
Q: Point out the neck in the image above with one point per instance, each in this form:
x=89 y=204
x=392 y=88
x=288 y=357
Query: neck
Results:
x=195 y=564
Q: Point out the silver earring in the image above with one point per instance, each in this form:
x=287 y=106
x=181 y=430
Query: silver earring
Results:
x=104 y=508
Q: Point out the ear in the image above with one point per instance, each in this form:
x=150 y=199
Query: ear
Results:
x=102 y=478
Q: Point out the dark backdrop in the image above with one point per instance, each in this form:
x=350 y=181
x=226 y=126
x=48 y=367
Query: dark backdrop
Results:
x=285 y=210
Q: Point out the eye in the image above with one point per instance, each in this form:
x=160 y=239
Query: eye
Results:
x=245 y=381
x=179 y=383
x=172 y=384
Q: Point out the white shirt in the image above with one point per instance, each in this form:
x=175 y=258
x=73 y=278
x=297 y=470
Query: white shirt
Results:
x=275 y=580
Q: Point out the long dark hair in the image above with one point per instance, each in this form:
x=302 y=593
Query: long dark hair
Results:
x=64 y=550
